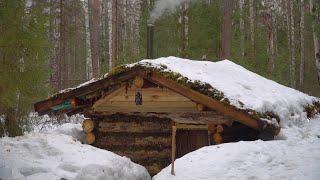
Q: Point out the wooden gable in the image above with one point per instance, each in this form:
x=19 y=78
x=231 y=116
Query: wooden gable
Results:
x=154 y=99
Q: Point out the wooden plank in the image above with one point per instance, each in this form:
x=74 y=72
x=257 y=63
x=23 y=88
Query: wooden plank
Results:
x=148 y=103
x=109 y=96
x=149 y=97
x=134 y=127
x=191 y=126
x=211 y=103
x=142 y=109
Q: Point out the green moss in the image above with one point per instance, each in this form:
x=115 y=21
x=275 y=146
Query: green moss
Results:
x=118 y=70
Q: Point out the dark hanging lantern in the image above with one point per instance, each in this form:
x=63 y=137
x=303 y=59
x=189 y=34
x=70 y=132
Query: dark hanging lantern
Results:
x=138 y=98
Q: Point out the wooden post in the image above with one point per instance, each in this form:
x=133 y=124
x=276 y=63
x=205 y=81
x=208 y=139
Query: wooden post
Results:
x=173 y=148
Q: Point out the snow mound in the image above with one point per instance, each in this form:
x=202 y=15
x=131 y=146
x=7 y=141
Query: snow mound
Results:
x=243 y=88
x=58 y=154
x=297 y=157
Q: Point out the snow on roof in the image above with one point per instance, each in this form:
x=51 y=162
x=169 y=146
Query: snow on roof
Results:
x=241 y=87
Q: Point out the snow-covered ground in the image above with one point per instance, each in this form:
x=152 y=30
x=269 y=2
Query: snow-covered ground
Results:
x=58 y=154
x=296 y=155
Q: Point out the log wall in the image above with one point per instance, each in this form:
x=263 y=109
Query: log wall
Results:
x=145 y=140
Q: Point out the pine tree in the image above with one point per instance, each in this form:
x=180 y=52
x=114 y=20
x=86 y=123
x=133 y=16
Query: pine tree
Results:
x=24 y=51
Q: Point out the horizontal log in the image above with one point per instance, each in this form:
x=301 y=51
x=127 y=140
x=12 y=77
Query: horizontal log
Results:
x=143 y=155
x=135 y=127
x=129 y=141
x=154 y=169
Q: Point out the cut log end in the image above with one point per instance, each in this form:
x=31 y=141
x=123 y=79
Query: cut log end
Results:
x=200 y=107
x=90 y=138
x=217 y=138
x=73 y=102
x=88 y=125
x=219 y=128
x=138 y=82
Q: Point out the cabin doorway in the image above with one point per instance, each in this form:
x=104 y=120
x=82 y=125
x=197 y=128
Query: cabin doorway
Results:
x=190 y=140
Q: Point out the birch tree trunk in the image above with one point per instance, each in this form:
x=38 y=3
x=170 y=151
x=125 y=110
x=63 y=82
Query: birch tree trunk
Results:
x=184 y=27
x=301 y=77
x=292 y=50
x=88 y=45
x=241 y=3
x=315 y=13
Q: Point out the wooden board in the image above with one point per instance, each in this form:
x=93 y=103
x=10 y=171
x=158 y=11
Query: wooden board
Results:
x=190 y=140
x=154 y=99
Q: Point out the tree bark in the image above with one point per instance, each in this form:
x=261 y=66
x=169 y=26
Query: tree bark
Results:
x=226 y=30
x=301 y=77
x=95 y=33
x=292 y=50
x=88 y=44
x=184 y=28
x=316 y=41
x=114 y=35
x=242 y=33
x=252 y=16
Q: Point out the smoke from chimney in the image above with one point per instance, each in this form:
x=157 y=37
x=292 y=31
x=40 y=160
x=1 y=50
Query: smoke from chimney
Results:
x=164 y=6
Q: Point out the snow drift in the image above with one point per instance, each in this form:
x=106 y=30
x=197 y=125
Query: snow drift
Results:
x=58 y=154
x=297 y=157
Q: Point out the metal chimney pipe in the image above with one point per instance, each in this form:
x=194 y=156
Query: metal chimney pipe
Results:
x=149 y=40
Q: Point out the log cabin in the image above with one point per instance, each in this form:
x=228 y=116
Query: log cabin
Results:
x=153 y=115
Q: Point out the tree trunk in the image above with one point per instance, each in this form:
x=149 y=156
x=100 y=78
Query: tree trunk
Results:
x=114 y=35
x=242 y=33
x=301 y=78
x=293 y=60
x=63 y=70
x=11 y=123
x=88 y=44
x=252 y=16
x=54 y=61
x=184 y=27
x=226 y=30
x=315 y=13
x=95 y=33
